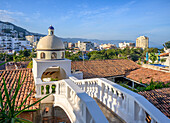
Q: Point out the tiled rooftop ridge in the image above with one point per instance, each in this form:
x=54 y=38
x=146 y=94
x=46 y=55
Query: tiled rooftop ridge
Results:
x=11 y=78
x=145 y=75
x=104 y=68
x=160 y=98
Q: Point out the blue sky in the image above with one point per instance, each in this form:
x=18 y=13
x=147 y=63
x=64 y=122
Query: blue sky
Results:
x=95 y=19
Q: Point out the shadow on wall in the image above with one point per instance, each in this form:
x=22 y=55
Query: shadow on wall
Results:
x=53 y=74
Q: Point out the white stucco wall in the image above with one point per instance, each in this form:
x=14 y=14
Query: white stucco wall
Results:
x=40 y=65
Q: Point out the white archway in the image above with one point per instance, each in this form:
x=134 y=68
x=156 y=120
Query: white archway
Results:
x=53 y=73
x=39 y=66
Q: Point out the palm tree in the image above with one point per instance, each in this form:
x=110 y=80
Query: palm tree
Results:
x=152 y=57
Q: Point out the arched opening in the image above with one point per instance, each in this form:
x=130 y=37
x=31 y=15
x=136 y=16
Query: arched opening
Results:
x=62 y=55
x=52 y=32
x=58 y=116
x=54 y=55
x=54 y=73
x=42 y=55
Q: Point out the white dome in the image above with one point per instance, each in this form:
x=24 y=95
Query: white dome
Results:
x=50 y=42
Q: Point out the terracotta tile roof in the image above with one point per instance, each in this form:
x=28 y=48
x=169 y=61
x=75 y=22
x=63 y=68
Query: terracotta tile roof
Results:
x=164 y=54
x=10 y=77
x=160 y=98
x=104 y=68
x=145 y=75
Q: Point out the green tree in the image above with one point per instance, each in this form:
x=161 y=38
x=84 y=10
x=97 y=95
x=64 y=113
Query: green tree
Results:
x=97 y=57
x=152 y=57
x=74 y=57
x=167 y=44
x=163 y=60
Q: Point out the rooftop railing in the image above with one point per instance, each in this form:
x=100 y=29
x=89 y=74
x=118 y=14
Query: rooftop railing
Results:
x=129 y=105
x=77 y=104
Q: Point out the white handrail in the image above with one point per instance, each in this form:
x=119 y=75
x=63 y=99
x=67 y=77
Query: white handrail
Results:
x=84 y=107
x=129 y=105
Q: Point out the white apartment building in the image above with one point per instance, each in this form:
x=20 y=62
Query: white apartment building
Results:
x=85 y=46
x=142 y=42
x=10 y=44
x=123 y=45
x=107 y=46
x=33 y=40
x=6 y=26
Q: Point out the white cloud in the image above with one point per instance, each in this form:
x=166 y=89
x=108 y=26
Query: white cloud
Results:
x=124 y=8
x=11 y=13
x=9 y=16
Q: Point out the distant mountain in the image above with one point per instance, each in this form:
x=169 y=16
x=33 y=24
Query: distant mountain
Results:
x=116 y=42
x=75 y=40
x=20 y=29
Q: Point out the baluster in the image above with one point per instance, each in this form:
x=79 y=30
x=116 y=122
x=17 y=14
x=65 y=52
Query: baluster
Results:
x=114 y=98
x=119 y=100
x=96 y=90
x=57 y=89
x=93 y=89
x=82 y=86
x=67 y=93
x=74 y=95
x=45 y=89
x=105 y=95
x=141 y=115
x=101 y=92
x=110 y=99
x=87 y=86
x=124 y=103
x=77 y=102
x=90 y=88
x=50 y=89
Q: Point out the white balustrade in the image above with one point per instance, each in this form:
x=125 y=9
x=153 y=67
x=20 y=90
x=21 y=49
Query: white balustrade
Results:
x=110 y=98
x=130 y=106
x=80 y=107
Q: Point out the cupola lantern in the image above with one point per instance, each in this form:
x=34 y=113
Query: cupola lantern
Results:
x=50 y=46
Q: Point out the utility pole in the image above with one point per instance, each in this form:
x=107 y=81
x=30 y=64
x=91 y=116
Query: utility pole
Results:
x=83 y=56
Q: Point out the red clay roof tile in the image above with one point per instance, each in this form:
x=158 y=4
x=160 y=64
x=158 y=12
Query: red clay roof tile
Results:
x=11 y=76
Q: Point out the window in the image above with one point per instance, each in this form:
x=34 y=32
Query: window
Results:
x=42 y=55
x=62 y=56
x=51 y=32
x=53 y=55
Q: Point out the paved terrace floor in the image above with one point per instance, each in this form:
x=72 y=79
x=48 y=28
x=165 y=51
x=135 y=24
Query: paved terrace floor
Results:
x=111 y=116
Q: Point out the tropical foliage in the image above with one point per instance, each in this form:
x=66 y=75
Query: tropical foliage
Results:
x=23 y=55
x=134 y=54
x=167 y=44
x=153 y=57
x=8 y=111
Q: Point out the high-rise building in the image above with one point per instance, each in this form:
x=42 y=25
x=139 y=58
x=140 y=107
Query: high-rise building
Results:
x=142 y=42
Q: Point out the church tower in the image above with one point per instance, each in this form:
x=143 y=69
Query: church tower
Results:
x=50 y=63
